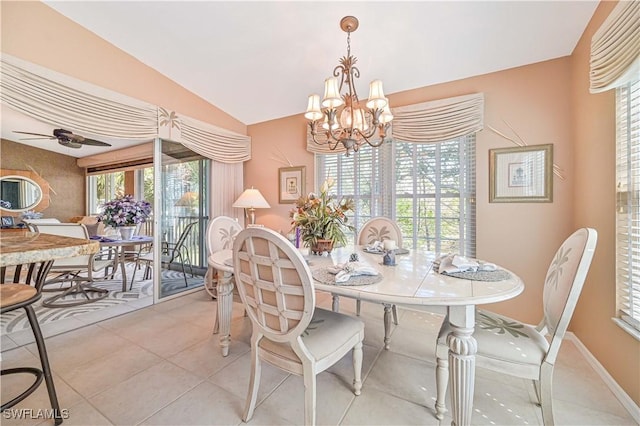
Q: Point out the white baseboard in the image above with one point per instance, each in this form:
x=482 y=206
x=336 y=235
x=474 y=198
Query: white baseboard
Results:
x=628 y=403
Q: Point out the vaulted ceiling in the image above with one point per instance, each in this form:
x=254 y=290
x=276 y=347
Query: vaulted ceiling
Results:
x=260 y=60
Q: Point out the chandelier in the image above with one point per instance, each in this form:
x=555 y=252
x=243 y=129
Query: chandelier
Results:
x=342 y=120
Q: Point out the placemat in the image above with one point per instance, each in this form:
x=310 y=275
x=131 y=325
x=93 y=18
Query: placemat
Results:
x=325 y=277
x=497 y=275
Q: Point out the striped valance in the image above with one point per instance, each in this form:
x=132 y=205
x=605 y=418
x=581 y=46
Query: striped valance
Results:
x=426 y=122
x=438 y=121
x=78 y=106
x=214 y=142
x=615 y=48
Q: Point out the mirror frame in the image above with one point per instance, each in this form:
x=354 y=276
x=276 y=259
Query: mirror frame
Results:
x=36 y=180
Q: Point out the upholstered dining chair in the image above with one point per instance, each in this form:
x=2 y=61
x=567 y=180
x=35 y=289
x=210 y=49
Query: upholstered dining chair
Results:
x=20 y=292
x=508 y=346
x=289 y=332
x=79 y=271
x=221 y=232
x=380 y=229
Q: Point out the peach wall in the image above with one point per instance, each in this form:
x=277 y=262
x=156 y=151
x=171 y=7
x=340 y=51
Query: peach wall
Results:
x=534 y=100
x=594 y=205
x=36 y=33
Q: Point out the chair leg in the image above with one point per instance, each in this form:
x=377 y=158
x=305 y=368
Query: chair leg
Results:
x=442 y=380
x=309 y=377
x=184 y=273
x=394 y=310
x=44 y=361
x=358 y=303
x=254 y=383
x=546 y=400
x=357 y=368
x=387 y=325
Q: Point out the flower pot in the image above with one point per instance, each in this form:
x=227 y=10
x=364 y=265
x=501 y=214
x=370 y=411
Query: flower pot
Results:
x=321 y=246
x=127 y=232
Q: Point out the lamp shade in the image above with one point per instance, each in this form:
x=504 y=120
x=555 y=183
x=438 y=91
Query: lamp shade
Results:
x=251 y=199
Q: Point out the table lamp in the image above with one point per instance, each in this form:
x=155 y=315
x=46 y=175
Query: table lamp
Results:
x=250 y=200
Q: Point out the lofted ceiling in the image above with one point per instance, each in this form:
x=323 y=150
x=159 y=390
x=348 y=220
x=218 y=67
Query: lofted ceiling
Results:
x=260 y=60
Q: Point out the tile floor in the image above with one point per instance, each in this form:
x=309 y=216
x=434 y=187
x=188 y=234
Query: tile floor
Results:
x=161 y=365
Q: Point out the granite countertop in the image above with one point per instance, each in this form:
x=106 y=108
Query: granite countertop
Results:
x=29 y=247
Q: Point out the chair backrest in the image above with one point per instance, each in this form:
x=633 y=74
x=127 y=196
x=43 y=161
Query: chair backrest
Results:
x=73 y=230
x=274 y=283
x=184 y=235
x=221 y=232
x=379 y=229
x=564 y=281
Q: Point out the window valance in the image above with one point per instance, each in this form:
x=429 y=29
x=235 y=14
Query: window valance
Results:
x=615 y=48
x=440 y=120
x=52 y=97
x=433 y=121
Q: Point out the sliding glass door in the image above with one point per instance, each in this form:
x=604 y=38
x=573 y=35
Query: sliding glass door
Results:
x=181 y=214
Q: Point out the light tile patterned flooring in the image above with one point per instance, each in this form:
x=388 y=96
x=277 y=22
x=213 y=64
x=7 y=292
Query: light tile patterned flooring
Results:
x=161 y=365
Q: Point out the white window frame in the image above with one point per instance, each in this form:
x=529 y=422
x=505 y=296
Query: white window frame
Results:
x=628 y=207
x=383 y=196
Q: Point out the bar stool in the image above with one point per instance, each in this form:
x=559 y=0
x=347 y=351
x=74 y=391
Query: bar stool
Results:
x=18 y=295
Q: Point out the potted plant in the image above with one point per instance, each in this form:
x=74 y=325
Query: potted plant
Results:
x=321 y=220
x=124 y=214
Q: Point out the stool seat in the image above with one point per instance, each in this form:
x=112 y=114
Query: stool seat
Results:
x=13 y=294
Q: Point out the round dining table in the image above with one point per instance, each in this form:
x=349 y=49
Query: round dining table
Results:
x=411 y=282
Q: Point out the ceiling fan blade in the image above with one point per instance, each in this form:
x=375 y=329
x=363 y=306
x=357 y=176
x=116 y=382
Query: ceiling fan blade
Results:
x=92 y=142
x=34 y=134
x=36 y=139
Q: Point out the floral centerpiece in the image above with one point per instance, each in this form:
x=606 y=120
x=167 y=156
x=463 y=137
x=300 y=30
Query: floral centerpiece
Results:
x=320 y=218
x=124 y=211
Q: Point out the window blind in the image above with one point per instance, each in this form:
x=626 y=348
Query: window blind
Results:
x=428 y=188
x=628 y=203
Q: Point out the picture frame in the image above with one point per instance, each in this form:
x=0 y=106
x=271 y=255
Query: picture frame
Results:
x=291 y=184
x=7 y=221
x=521 y=174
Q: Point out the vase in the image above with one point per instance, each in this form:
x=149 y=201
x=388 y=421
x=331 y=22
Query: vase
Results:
x=127 y=232
x=322 y=246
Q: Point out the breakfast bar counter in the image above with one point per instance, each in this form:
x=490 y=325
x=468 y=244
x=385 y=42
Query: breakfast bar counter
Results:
x=30 y=247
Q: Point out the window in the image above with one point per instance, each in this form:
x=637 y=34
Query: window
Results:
x=429 y=190
x=628 y=204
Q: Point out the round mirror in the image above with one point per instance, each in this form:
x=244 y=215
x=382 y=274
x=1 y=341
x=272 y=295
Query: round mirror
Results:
x=19 y=193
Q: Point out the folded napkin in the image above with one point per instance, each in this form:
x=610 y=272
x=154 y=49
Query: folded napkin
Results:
x=344 y=271
x=375 y=247
x=451 y=263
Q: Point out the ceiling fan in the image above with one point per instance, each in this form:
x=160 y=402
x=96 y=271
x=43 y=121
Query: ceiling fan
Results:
x=65 y=138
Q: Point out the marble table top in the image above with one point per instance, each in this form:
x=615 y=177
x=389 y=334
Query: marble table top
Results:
x=30 y=247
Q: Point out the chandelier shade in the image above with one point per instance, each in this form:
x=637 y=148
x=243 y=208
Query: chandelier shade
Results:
x=340 y=117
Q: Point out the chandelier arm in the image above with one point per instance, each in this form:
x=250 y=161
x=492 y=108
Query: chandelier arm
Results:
x=367 y=140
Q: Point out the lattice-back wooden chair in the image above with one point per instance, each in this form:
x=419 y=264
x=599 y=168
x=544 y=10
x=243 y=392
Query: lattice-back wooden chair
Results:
x=289 y=332
x=79 y=271
x=380 y=229
x=508 y=346
x=20 y=287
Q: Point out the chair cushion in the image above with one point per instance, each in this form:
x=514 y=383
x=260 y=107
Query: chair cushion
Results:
x=12 y=294
x=326 y=332
x=504 y=339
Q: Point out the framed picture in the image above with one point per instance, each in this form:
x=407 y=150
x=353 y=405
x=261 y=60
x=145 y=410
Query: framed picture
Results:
x=7 y=221
x=291 y=184
x=521 y=174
